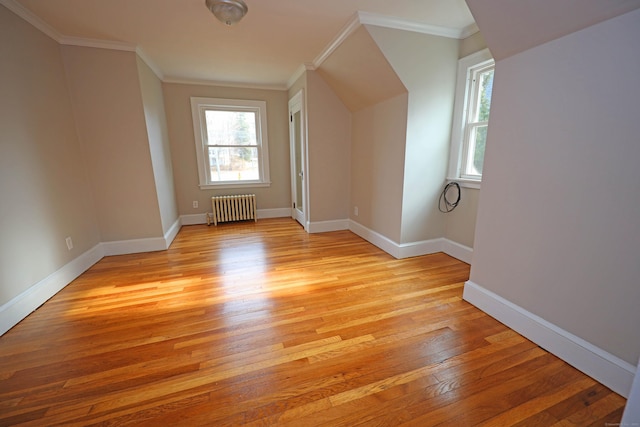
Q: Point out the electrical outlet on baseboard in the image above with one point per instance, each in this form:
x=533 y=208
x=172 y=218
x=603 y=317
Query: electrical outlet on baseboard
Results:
x=69 y=243
x=355 y=211
x=195 y=204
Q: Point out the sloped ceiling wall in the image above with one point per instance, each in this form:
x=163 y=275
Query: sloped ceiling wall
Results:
x=532 y=23
x=359 y=73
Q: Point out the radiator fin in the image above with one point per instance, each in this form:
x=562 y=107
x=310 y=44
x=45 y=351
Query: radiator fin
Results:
x=233 y=208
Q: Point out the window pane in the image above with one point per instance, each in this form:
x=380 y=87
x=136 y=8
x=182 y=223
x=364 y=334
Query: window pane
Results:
x=477 y=143
x=231 y=127
x=485 y=80
x=233 y=164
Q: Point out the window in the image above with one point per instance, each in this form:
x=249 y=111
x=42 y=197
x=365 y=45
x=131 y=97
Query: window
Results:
x=231 y=142
x=471 y=117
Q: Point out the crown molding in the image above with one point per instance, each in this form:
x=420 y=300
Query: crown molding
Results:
x=113 y=45
x=367 y=18
x=31 y=18
x=96 y=43
x=358 y=19
x=154 y=67
x=352 y=25
x=469 y=30
x=296 y=75
x=240 y=85
x=307 y=66
x=48 y=30
x=39 y=24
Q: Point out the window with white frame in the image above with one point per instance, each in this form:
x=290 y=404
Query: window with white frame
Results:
x=471 y=117
x=231 y=142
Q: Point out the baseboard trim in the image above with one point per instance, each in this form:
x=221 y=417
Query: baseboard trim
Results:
x=458 y=251
x=198 y=219
x=425 y=247
x=408 y=250
x=195 y=219
x=376 y=239
x=172 y=232
x=604 y=367
x=274 y=213
x=328 y=226
x=134 y=246
x=631 y=413
x=24 y=304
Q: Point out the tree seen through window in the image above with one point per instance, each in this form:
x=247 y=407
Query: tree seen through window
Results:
x=232 y=145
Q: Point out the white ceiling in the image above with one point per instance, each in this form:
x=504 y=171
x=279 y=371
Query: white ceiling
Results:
x=183 y=41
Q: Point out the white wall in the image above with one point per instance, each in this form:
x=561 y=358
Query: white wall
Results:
x=357 y=133
x=156 y=121
x=426 y=65
x=401 y=136
x=329 y=143
x=359 y=73
x=473 y=43
x=559 y=217
x=44 y=188
x=183 y=151
x=461 y=222
x=107 y=102
x=377 y=165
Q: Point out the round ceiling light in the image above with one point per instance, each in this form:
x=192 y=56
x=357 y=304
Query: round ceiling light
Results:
x=228 y=11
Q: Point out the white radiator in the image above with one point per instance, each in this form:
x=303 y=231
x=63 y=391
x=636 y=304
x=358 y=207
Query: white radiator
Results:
x=233 y=208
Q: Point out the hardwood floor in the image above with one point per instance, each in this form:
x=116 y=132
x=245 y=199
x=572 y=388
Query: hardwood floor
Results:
x=262 y=324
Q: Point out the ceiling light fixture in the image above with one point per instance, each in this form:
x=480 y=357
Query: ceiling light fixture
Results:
x=228 y=11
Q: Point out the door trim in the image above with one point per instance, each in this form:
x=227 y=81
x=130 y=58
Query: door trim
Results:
x=297 y=104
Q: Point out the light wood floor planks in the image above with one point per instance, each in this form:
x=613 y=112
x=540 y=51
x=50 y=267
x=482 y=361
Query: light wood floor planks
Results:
x=258 y=324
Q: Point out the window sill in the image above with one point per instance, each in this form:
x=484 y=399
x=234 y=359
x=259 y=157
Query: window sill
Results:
x=466 y=183
x=227 y=185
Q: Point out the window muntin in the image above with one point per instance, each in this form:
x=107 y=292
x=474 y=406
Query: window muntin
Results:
x=471 y=118
x=475 y=137
x=231 y=142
